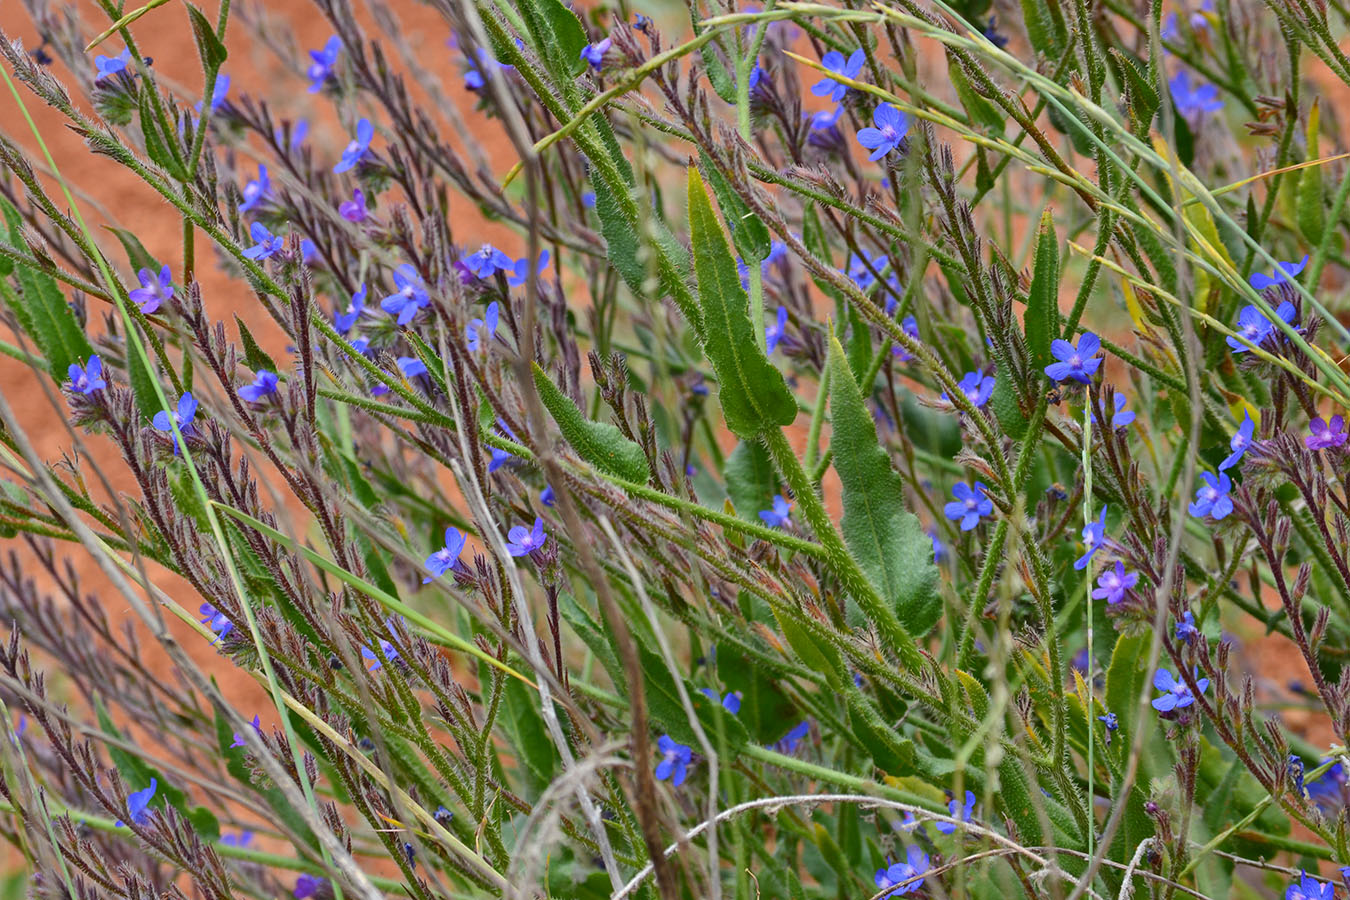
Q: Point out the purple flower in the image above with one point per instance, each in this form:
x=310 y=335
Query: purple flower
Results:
x=970 y=505
x=388 y=653
x=89 y=379
x=1176 y=694
x=849 y=68
x=444 y=559
x=153 y=290
x=410 y=296
x=1284 y=271
x=889 y=133
x=731 y=702
x=480 y=331
x=674 y=764
x=264 y=385
x=862 y=264
x=1326 y=434
x=109 y=66
x=774 y=333
x=522 y=541
x=1075 y=363
x=824 y=119
x=411 y=366
x=1255 y=327
x=977 y=388
x=777 y=516
x=217 y=93
x=1113 y=583
x=909 y=326
x=182 y=417
x=487 y=260
x=595 y=53
x=1309 y=889
x=1093 y=533
x=520 y=269
x=906 y=877
x=1211 y=498
x=546 y=496
x=138 y=805
x=264 y=243
x=239 y=738
x=298 y=133
x=1185 y=628
x=354 y=210
x=1193 y=100
x=962 y=816
x=357 y=148
x=788 y=742
x=321 y=69
x=256 y=191
x=215 y=620
x=1121 y=417
x=1240 y=443
x=307 y=886
x=242 y=839
x=343 y=321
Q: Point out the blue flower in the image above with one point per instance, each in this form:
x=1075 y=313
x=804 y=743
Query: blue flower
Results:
x=410 y=296
x=969 y=506
x=1239 y=443
x=788 y=742
x=674 y=764
x=264 y=385
x=776 y=517
x=1075 y=363
x=154 y=290
x=774 y=333
x=299 y=131
x=444 y=559
x=182 y=417
x=109 y=66
x=138 y=805
x=357 y=148
x=1309 y=889
x=88 y=379
x=239 y=738
x=520 y=269
x=354 y=210
x=343 y=321
x=1185 y=628
x=1326 y=434
x=835 y=62
x=1113 y=583
x=862 y=264
x=546 y=496
x=480 y=331
x=1121 y=417
x=1110 y=721
x=215 y=620
x=411 y=366
x=1193 y=101
x=889 y=133
x=595 y=53
x=909 y=326
x=501 y=457
x=1093 y=533
x=1176 y=694
x=308 y=251
x=388 y=653
x=824 y=119
x=977 y=388
x=321 y=69
x=906 y=877
x=992 y=34
x=962 y=816
x=1285 y=271
x=1211 y=499
x=264 y=242
x=307 y=886
x=256 y=190
x=217 y=93
x=522 y=541
x=242 y=839
x=1255 y=327
x=731 y=702
x=487 y=260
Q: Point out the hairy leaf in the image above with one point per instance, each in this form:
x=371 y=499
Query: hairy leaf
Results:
x=599 y=443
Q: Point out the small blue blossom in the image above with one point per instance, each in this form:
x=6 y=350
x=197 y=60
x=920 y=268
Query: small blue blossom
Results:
x=849 y=68
x=487 y=260
x=1176 y=694
x=1113 y=583
x=307 y=886
x=239 y=740
x=409 y=297
x=501 y=457
x=992 y=34
x=256 y=191
x=889 y=133
x=641 y=22
x=309 y=251
x=1253 y=326
x=547 y=497
x=1110 y=720
x=1185 y=628
x=264 y=385
x=977 y=388
x=182 y=417
x=788 y=743
x=154 y=289
x=909 y=326
x=520 y=269
x=388 y=653
x=824 y=119
x=862 y=264
x=1239 y=443
x=344 y=321
x=323 y=63
x=215 y=620
x=444 y=559
x=357 y=148
x=1309 y=889
x=1093 y=534
x=242 y=839
x=1122 y=416
x=217 y=93
x=1325 y=435
x=264 y=242
x=299 y=131
x=109 y=66
x=1075 y=363
x=411 y=366
x=138 y=804
x=89 y=379
x=773 y=333
x=1284 y=271
x=1211 y=498
x=674 y=764
x=354 y=210
x=522 y=541
x=970 y=505
x=588 y=199
x=962 y=816
x=1193 y=100
x=776 y=517
x=595 y=53
x=906 y=877
x=480 y=331
x=731 y=702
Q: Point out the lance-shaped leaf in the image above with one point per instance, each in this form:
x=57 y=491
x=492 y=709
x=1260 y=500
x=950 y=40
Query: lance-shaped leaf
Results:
x=754 y=396
x=886 y=539
x=599 y=443
x=557 y=35
x=751 y=480
x=1042 y=315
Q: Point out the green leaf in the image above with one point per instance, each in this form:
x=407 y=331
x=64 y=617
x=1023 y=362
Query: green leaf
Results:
x=748 y=233
x=525 y=727
x=254 y=356
x=137 y=255
x=754 y=395
x=209 y=47
x=599 y=443
x=668 y=711
x=981 y=110
x=1042 y=315
x=157 y=145
x=557 y=35
x=885 y=538
x=42 y=310
x=1143 y=97
x=239 y=770
x=142 y=384
x=1125 y=680
x=892 y=754
x=1312 y=213
x=815 y=655
x=766 y=711
x=751 y=479
x=597 y=638
x=1006 y=406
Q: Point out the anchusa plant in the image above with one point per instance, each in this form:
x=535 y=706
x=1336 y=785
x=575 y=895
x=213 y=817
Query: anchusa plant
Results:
x=793 y=451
